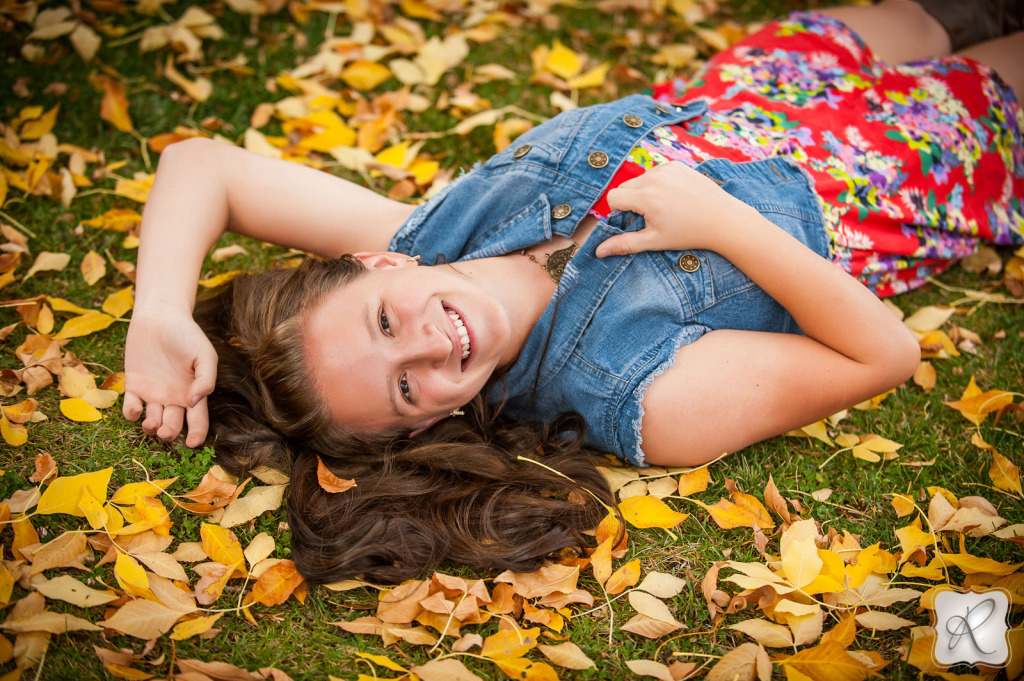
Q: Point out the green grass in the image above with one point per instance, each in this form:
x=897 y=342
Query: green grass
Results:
x=298 y=638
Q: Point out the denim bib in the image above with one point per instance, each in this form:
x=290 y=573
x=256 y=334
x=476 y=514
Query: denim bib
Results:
x=614 y=324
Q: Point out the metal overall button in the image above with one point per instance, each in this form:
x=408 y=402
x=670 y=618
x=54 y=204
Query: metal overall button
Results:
x=632 y=120
x=597 y=159
x=662 y=108
x=521 y=151
x=688 y=262
x=560 y=211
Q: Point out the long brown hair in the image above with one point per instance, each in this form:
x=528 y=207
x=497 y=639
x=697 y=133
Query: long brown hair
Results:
x=473 y=490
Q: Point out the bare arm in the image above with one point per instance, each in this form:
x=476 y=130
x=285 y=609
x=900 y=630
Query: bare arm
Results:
x=732 y=388
x=203 y=188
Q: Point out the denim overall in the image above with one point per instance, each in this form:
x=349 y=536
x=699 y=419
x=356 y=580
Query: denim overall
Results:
x=614 y=324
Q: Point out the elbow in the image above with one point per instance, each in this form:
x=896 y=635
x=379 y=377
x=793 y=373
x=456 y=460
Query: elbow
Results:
x=193 y=153
x=904 y=356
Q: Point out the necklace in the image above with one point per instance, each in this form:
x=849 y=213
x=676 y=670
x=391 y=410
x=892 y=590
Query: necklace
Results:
x=554 y=263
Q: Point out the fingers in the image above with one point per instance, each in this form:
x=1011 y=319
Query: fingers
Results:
x=623 y=198
x=625 y=244
x=163 y=421
x=154 y=417
x=132 y=407
x=198 y=424
x=166 y=422
x=173 y=419
x=205 y=380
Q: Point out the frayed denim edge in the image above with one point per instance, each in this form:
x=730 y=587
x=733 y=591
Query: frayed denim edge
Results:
x=684 y=338
x=411 y=225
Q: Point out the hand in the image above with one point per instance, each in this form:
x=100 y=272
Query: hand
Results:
x=170 y=368
x=682 y=209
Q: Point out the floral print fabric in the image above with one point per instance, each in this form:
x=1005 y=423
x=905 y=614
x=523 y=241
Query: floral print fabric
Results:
x=914 y=164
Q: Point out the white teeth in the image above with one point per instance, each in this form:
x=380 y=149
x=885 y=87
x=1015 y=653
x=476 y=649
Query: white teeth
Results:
x=461 y=328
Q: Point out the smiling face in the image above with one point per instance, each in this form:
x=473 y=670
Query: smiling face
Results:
x=401 y=346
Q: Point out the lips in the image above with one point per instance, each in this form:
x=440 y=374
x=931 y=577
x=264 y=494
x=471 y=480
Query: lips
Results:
x=461 y=335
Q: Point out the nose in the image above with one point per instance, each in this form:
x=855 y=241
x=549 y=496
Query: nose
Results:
x=431 y=346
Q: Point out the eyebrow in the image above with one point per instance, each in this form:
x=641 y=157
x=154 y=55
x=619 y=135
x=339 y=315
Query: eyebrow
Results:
x=371 y=329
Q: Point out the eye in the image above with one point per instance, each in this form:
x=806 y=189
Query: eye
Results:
x=403 y=386
x=385 y=325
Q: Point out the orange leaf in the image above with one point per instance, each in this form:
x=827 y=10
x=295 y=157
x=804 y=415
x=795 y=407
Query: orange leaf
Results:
x=114 y=108
x=728 y=515
x=693 y=482
x=626 y=576
x=1004 y=474
x=276 y=584
x=329 y=482
x=974 y=405
x=827 y=662
x=601 y=561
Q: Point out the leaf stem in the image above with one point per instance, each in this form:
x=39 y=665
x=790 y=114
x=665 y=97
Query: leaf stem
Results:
x=20 y=227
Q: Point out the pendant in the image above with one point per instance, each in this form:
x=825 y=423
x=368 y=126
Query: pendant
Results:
x=556 y=262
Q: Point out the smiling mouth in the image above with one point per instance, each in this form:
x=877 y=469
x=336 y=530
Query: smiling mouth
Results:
x=460 y=329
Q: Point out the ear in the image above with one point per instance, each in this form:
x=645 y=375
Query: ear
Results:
x=426 y=424
x=384 y=259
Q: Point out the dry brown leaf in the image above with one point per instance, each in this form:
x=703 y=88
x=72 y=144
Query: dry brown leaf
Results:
x=255 y=503
x=548 y=580
x=46 y=467
x=747 y=662
x=48 y=262
x=566 y=655
x=49 y=622
x=648 y=605
x=648 y=627
x=448 y=669
x=225 y=252
x=401 y=605
x=67 y=550
x=986 y=260
x=766 y=633
x=68 y=589
x=881 y=621
x=662 y=585
x=650 y=668
x=775 y=501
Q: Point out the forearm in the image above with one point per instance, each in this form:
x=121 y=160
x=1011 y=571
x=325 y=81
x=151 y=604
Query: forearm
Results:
x=829 y=305
x=203 y=188
x=186 y=213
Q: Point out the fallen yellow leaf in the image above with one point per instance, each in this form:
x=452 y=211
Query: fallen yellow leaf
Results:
x=650 y=512
x=77 y=409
